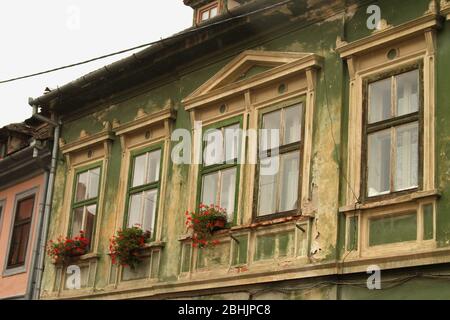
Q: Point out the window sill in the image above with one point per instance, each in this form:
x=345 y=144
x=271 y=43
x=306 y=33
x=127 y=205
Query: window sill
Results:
x=14 y=271
x=411 y=197
x=83 y=258
x=270 y=222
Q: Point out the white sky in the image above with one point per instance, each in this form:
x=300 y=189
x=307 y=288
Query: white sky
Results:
x=44 y=34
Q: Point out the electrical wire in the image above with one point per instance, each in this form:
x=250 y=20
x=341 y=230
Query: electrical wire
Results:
x=183 y=33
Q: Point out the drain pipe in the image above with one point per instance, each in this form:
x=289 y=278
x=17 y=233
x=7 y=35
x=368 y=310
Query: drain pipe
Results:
x=41 y=241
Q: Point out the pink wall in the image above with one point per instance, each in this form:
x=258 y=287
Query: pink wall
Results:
x=16 y=285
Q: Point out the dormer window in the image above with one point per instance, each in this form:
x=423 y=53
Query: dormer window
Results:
x=208 y=12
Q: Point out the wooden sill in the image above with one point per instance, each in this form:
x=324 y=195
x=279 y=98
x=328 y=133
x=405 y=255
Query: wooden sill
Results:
x=411 y=197
x=82 y=258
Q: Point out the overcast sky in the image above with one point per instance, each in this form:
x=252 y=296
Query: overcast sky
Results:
x=44 y=34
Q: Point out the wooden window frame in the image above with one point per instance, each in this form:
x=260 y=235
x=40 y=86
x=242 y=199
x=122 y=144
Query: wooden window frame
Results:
x=205 y=170
x=19 y=268
x=149 y=186
x=2 y=210
x=282 y=149
x=390 y=124
x=86 y=202
x=207 y=8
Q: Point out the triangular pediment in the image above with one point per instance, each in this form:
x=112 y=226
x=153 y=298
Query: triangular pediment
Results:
x=245 y=66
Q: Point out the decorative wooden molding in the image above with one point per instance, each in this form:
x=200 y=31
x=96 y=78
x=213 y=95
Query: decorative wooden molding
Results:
x=360 y=62
x=432 y=8
x=382 y=25
x=87 y=140
x=382 y=38
x=445 y=8
x=285 y=64
x=143 y=120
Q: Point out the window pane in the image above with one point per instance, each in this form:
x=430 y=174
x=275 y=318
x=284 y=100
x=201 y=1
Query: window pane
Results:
x=213 y=12
x=90 y=221
x=380 y=100
x=227 y=192
x=292 y=124
x=205 y=15
x=213 y=152
x=378 y=166
x=77 y=222
x=154 y=160
x=134 y=212
x=209 y=188
x=267 y=191
x=407 y=92
x=272 y=122
x=23 y=244
x=150 y=200
x=24 y=209
x=407 y=164
x=232 y=136
x=139 y=170
x=94 y=178
x=289 y=181
x=19 y=243
x=81 y=187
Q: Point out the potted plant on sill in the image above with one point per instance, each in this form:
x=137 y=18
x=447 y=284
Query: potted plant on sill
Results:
x=125 y=247
x=65 y=249
x=204 y=222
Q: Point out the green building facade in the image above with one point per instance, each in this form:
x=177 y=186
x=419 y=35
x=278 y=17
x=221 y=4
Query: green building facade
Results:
x=362 y=103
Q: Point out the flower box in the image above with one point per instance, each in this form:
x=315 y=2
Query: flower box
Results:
x=65 y=249
x=204 y=223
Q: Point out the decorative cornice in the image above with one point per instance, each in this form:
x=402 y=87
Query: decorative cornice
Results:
x=445 y=8
x=87 y=140
x=305 y=62
x=143 y=120
x=408 y=29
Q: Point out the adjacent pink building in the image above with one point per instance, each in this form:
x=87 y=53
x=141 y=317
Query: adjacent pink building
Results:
x=24 y=165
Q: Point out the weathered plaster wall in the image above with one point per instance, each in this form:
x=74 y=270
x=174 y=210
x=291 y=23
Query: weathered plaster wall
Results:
x=329 y=145
x=16 y=285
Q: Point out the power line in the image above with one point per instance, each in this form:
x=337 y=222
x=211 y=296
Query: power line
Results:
x=189 y=31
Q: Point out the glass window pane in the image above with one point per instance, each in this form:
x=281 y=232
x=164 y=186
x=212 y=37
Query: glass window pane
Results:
x=25 y=209
x=209 y=188
x=407 y=92
x=407 y=159
x=90 y=221
x=23 y=244
x=271 y=122
x=213 y=152
x=19 y=243
x=134 y=211
x=154 y=161
x=77 y=222
x=227 y=192
x=139 y=170
x=378 y=166
x=205 y=15
x=289 y=181
x=232 y=136
x=94 y=179
x=292 y=124
x=150 y=200
x=267 y=191
x=213 y=12
x=380 y=100
x=81 y=187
